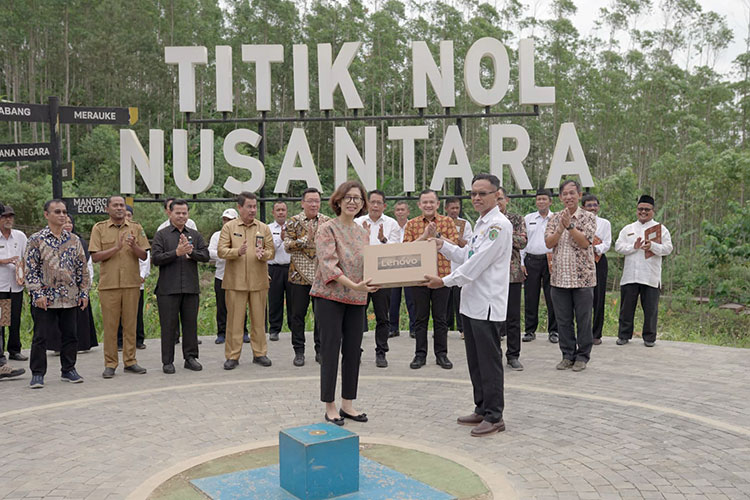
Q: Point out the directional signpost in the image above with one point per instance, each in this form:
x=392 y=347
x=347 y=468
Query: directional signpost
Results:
x=54 y=114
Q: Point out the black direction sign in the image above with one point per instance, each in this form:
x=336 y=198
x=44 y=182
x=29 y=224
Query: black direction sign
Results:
x=13 y=112
x=67 y=171
x=89 y=206
x=111 y=116
x=25 y=152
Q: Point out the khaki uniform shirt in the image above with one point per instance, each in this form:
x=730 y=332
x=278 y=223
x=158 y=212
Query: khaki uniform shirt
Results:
x=122 y=270
x=246 y=272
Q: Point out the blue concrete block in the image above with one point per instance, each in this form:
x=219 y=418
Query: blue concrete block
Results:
x=377 y=482
x=319 y=461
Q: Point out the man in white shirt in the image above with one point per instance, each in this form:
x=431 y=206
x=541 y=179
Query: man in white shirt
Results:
x=641 y=273
x=383 y=230
x=12 y=246
x=401 y=212
x=221 y=304
x=484 y=277
x=534 y=265
x=278 y=270
x=602 y=242
x=145 y=269
x=463 y=227
x=168 y=210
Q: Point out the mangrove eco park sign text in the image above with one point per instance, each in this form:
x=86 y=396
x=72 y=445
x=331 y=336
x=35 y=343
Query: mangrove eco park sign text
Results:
x=333 y=73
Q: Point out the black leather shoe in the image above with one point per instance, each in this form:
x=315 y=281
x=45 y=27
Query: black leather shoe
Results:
x=486 y=428
x=443 y=361
x=273 y=337
x=140 y=346
x=394 y=334
x=108 y=372
x=317 y=357
x=472 y=420
x=648 y=343
x=299 y=359
x=528 y=337
x=200 y=341
x=262 y=360
x=380 y=361
x=554 y=337
x=17 y=356
x=135 y=369
x=168 y=369
x=514 y=364
x=220 y=339
x=622 y=341
x=231 y=364
x=337 y=421
x=412 y=335
x=362 y=417
x=193 y=364
x=417 y=362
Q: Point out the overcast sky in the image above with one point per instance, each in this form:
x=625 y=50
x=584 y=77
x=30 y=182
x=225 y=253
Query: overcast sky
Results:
x=735 y=12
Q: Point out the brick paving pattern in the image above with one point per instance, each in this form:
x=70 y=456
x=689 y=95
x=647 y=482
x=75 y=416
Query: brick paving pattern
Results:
x=670 y=422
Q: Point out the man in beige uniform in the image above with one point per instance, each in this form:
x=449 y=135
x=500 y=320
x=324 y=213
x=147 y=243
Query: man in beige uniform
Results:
x=247 y=246
x=118 y=244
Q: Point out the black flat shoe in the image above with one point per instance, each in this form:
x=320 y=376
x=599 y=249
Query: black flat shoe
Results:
x=362 y=417
x=337 y=421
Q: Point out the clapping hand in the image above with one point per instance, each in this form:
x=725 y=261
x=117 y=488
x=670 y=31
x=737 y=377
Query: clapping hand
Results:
x=259 y=253
x=184 y=247
x=381 y=236
x=646 y=246
x=366 y=226
x=243 y=248
x=638 y=243
x=564 y=220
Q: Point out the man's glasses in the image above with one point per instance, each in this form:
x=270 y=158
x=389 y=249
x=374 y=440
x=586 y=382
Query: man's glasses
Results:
x=481 y=194
x=644 y=209
x=58 y=211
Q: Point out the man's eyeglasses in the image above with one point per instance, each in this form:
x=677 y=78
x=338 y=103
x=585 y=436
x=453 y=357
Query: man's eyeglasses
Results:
x=481 y=194
x=352 y=199
x=640 y=209
x=58 y=211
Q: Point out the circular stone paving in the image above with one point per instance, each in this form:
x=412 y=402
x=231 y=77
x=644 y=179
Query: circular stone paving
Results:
x=438 y=472
x=668 y=422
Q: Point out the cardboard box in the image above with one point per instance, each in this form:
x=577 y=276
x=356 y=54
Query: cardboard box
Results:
x=400 y=264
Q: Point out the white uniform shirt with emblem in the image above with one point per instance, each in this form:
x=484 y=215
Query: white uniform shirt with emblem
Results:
x=604 y=233
x=535 y=227
x=13 y=246
x=466 y=237
x=213 y=254
x=281 y=258
x=637 y=268
x=190 y=223
x=390 y=229
x=485 y=270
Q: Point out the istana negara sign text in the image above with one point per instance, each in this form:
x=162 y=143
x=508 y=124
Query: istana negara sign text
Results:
x=333 y=73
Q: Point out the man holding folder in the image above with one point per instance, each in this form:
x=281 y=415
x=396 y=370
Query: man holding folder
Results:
x=643 y=243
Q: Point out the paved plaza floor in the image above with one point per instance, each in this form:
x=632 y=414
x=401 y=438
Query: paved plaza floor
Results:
x=671 y=421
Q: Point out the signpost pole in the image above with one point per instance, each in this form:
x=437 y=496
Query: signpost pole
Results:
x=54 y=148
x=262 y=159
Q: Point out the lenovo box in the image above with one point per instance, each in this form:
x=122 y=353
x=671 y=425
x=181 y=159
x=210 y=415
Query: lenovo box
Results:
x=400 y=264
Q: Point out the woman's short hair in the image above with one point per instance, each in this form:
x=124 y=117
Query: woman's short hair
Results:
x=341 y=191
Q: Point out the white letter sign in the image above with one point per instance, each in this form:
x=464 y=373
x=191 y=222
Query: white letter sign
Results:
x=150 y=167
x=239 y=160
x=336 y=74
x=182 y=179
x=186 y=58
x=424 y=67
x=492 y=48
x=346 y=151
x=452 y=144
x=297 y=147
x=514 y=159
x=568 y=144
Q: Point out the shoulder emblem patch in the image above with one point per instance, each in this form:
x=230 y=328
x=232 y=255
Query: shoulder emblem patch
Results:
x=494 y=233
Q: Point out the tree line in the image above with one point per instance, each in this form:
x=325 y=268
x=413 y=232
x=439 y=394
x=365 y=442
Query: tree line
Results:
x=648 y=124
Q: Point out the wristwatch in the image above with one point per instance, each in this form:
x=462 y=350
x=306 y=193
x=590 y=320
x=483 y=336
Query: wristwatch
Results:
x=571 y=226
x=384 y=240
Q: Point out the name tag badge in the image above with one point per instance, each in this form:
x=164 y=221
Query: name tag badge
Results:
x=532 y=223
x=238 y=235
x=2 y=246
x=631 y=234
